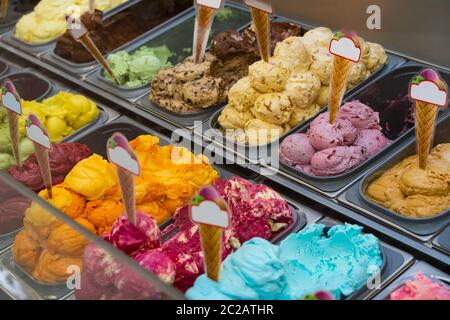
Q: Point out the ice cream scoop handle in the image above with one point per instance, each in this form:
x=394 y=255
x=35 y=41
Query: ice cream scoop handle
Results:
x=44 y=165
x=4 y=8
x=262 y=25
x=13 y=122
x=95 y=52
x=126 y=180
x=203 y=22
x=211 y=239
x=426 y=115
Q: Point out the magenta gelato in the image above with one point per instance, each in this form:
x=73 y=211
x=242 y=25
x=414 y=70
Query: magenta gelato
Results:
x=331 y=149
x=62 y=158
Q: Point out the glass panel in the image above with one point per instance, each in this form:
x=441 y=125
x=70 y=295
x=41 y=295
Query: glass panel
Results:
x=56 y=255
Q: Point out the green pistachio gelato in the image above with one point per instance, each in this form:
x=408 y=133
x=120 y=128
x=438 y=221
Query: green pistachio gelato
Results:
x=139 y=68
x=5 y=140
x=6 y=160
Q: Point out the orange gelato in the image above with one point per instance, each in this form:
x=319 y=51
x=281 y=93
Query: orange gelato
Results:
x=26 y=251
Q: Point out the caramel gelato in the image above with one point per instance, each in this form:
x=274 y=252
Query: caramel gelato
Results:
x=410 y=191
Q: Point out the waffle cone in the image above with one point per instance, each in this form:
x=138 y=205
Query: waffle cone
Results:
x=341 y=68
x=4 y=8
x=13 y=122
x=425 y=122
x=211 y=238
x=262 y=25
x=90 y=46
x=44 y=166
x=203 y=22
x=128 y=195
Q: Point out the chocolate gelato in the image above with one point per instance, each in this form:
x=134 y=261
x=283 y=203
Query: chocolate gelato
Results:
x=120 y=29
x=190 y=87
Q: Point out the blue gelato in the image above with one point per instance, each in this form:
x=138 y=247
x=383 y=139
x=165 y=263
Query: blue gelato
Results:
x=340 y=261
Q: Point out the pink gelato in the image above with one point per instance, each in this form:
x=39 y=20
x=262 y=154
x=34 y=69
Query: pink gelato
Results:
x=421 y=288
x=296 y=149
x=372 y=140
x=354 y=136
x=360 y=115
x=335 y=160
x=323 y=135
x=131 y=238
x=131 y=285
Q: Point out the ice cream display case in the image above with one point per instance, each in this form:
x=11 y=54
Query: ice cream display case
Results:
x=167 y=46
x=337 y=201
x=19 y=281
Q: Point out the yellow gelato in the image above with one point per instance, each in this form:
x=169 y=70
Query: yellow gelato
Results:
x=413 y=192
x=303 y=89
x=293 y=52
x=267 y=77
x=92 y=177
x=231 y=118
x=61 y=114
x=274 y=108
x=48 y=19
x=242 y=95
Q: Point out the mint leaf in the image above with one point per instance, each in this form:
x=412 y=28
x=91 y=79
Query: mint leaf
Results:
x=197 y=200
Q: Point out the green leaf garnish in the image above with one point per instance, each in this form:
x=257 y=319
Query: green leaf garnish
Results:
x=310 y=297
x=418 y=79
x=338 y=35
x=28 y=123
x=197 y=200
x=112 y=144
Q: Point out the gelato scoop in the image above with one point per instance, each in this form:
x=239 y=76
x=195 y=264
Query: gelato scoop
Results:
x=338 y=260
x=413 y=192
x=139 y=68
x=331 y=149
